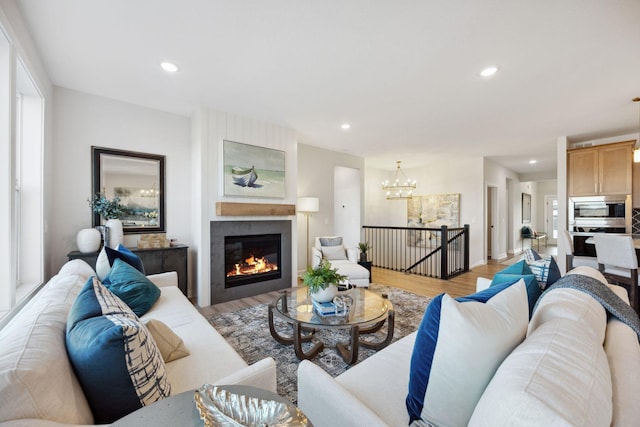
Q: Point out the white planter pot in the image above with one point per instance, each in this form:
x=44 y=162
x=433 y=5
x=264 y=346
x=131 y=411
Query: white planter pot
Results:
x=88 y=240
x=325 y=295
x=116 y=234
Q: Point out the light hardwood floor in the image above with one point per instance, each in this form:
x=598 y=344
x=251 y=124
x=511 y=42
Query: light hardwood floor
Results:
x=461 y=285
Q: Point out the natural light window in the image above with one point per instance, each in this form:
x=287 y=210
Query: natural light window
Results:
x=21 y=180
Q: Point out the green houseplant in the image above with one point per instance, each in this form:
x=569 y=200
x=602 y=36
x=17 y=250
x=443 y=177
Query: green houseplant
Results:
x=323 y=281
x=364 y=247
x=107 y=209
x=111 y=211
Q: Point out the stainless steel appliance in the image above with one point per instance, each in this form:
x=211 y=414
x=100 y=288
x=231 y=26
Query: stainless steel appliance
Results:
x=597 y=214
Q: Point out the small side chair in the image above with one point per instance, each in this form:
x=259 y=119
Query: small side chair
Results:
x=574 y=261
x=618 y=262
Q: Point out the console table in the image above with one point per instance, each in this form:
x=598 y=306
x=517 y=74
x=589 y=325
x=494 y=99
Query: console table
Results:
x=155 y=260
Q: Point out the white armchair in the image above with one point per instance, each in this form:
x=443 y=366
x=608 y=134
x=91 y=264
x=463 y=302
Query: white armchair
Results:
x=344 y=259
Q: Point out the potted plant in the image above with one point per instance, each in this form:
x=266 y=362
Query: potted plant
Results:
x=323 y=281
x=111 y=211
x=364 y=247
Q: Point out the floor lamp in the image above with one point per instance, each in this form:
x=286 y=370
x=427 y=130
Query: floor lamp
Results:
x=307 y=206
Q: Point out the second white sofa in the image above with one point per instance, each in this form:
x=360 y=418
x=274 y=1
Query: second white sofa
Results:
x=575 y=367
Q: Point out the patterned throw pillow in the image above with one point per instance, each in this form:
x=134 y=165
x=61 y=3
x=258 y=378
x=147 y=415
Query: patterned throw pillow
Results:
x=113 y=355
x=546 y=271
x=530 y=255
x=330 y=241
x=459 y=345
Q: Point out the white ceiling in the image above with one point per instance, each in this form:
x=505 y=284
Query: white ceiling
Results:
x=403 y=73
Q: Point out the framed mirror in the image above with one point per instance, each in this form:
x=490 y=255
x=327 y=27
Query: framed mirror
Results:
x=138 y=179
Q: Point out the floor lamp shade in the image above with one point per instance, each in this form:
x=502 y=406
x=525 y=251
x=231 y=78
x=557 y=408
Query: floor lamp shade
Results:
x=308 y=204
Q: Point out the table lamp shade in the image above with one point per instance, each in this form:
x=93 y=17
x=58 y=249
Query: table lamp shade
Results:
x=308 y=204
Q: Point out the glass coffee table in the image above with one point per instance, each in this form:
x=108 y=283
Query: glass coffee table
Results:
x=368 y=314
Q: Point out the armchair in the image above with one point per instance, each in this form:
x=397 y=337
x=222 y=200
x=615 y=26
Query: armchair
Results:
x=344 y=259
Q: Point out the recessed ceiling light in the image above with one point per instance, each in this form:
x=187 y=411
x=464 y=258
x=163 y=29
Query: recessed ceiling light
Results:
x=533 y=162
x=345 y=126
x=489 y=71
x=169 y=67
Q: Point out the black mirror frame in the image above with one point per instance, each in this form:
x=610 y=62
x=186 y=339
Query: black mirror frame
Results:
x=96 y=152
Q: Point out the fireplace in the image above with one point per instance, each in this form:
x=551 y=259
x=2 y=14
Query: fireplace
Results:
x=249 y=258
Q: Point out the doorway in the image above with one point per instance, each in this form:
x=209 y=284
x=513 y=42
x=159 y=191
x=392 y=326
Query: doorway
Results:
x=551 y=218
x=492 y=218
x=346 y=209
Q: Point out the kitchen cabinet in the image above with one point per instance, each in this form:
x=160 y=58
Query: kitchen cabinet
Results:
x=601 y=170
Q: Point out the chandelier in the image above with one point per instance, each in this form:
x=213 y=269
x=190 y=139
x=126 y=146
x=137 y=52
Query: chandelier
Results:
x=400 y=187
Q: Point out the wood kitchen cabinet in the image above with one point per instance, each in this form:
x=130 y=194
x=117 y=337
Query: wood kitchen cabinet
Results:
x=601 y=170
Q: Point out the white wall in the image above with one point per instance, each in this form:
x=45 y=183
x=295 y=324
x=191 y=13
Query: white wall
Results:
x=83 y=120
x=509 y=206
x=459 y=175
x=316 y=179
x=210 y=129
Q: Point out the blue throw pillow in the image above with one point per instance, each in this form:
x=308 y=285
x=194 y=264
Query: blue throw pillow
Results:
x=519 y=267
x=132 y=287
x=459 y=345
x=533 y=288
x=115 y=359
x=123 y=253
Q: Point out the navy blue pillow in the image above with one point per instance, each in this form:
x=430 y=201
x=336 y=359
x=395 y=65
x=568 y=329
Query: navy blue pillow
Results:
x=123 y=253
x=115 y=359
x=132 y=287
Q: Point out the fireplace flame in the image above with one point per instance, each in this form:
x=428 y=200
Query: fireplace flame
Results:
x=252 y=265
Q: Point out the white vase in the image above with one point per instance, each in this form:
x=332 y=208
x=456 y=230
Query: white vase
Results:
x=88 y=240
x=325 y=295
x=116 y=234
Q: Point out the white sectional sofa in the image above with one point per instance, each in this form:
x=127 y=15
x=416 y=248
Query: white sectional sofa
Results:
x=38 y=386
x=574 y=367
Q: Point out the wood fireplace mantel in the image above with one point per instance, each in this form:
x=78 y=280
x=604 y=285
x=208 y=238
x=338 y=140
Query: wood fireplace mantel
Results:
x=253 y=209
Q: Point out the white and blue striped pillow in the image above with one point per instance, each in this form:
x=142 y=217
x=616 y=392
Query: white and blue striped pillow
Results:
x=459 y=346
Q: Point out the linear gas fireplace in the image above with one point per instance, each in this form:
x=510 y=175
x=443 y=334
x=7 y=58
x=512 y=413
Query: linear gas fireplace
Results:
x=249 y=258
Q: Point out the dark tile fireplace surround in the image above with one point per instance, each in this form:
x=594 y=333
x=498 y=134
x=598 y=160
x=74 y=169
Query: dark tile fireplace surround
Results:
x=234 y=231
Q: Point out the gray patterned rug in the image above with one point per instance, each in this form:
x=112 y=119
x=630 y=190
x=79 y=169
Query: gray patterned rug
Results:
x=247 y=330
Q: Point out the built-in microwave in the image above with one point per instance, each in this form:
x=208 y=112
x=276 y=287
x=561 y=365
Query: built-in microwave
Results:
x=590 y=214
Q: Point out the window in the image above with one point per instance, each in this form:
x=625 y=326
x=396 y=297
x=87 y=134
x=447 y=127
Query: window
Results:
x=21 y=180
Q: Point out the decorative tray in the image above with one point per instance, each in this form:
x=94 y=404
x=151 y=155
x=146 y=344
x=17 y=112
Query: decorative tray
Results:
x=220 y=407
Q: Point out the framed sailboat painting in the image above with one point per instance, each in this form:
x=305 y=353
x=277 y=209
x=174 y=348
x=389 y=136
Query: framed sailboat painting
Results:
x=252 y=171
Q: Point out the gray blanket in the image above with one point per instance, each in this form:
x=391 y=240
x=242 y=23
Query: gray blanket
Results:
x=610 y=301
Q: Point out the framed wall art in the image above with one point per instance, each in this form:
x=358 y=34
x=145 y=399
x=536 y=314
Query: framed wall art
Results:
x=431 y=211
x=252 y=171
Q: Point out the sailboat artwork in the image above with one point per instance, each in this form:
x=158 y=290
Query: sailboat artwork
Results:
x=253 y=171
x=244 y=177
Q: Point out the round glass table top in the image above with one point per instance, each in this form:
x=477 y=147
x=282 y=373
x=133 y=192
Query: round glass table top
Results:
x=366 y=307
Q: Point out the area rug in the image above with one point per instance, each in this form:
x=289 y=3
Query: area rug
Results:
x=247 y=330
